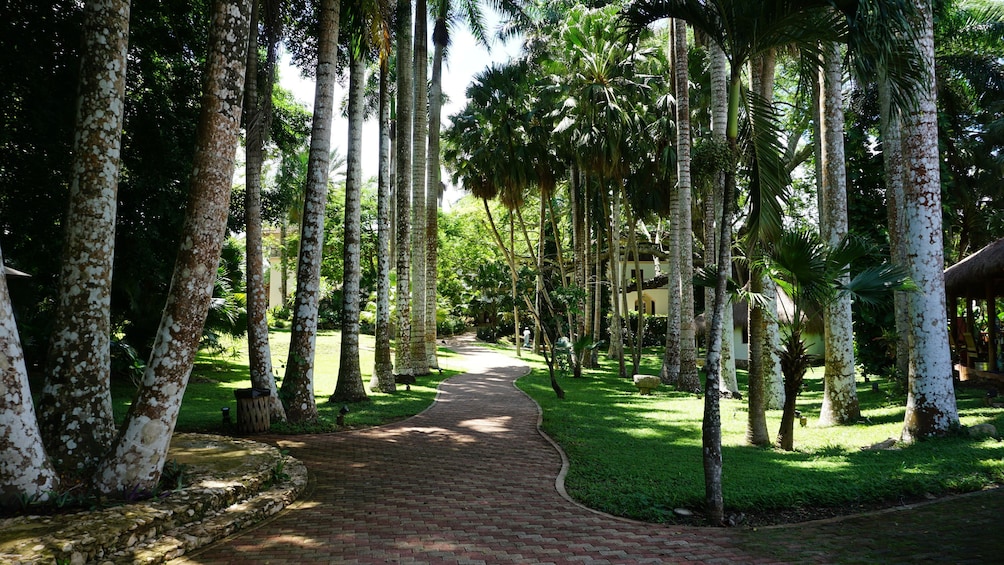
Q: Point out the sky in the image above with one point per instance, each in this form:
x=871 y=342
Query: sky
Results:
x=465 y=59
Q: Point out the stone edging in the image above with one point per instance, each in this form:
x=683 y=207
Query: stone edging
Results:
x=229 y=489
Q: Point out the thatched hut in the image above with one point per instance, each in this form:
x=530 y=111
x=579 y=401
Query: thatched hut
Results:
x=978 y=280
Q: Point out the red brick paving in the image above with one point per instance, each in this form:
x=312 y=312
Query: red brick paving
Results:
x=471 y=480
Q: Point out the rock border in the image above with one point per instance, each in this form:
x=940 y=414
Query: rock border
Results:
x=217 y=503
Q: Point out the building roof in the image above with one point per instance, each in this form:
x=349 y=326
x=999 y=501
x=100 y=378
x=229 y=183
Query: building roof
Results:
x=973 y=275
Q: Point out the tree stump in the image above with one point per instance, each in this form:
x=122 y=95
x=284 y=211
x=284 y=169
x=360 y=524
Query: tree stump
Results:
x=252 y=410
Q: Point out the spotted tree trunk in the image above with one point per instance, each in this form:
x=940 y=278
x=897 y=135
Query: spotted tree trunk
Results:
x=383 y=365
x=434 y=189
x=402 y=185
x=25 y=469
x=930 y=406
x=349 y=387
x=138 y=456
x=840 y=398
x=297 y=390
x=419 y=360
x=75 y=407
x=688 y=379
x=258 y=110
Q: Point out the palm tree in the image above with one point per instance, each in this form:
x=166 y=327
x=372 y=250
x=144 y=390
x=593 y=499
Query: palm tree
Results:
x=419 y=214
x=258 y=110
x=815 y=274
x=383 y=365
x=75 y=406
x=840 y=399
x=930 y=407
x=403 y=132
x=599 y=121
x=137 y=457
x=349 y=387
x=297 y=390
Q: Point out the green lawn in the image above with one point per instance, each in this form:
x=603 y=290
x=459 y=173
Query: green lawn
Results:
x=640 y=456
x=217 y=375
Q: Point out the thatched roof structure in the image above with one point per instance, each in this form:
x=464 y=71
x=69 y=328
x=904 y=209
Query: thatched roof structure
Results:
x=976 y=274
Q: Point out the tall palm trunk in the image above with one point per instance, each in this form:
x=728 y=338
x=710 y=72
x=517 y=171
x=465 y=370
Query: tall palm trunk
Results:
x=840 y=399
x=614 y=261
x=688 y=379
x=713 y=220
x=76 y=406
x=892 y=153
x=383 y=366
x=349 y=387
x=403 y=176
x=297 y=390
x=419 y=360
x=930 y=407
x=138 y=456
x=434 y=189
x=258 y=108
x=762 y=74
x=25 y=469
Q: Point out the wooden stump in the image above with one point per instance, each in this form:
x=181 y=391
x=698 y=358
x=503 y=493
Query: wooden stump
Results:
x=252 y=410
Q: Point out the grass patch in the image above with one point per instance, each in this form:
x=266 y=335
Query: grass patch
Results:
x=215 y=376
x=641 y=457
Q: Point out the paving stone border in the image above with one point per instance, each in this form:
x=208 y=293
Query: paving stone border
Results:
x=230 y=487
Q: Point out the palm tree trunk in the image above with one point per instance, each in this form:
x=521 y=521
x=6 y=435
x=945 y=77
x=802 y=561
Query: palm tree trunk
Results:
x=403 y=176
x=258 y=109
x=349 y=387
x=892 y=153
x=25 y=469
x=930 y=407
x=434 y=188
x=383 y=366
x=137 y=457
x=840 y=399
x=297 y=391
x=75 y=407
x=762 y=74
x=419 y=214
x=616 y=320
x=688 y=379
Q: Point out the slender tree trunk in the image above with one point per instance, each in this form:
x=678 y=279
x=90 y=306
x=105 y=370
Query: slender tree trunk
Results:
x=616 y=328
x=762 y=75
x=689 y=380
x=25 y=469
x=672 y=358
x=840 y=398
x=892 y=152
x=598 y=301
x=930 y=406
x=75 y=407
x=138 y=456
x=383 y=367
x=349 y=387
x=297 y=390
x=721 y=240
x=639 y=337
x=773 y=378
x=258 y=111
x=403 y=176
x=434 y=188
x=419 y=361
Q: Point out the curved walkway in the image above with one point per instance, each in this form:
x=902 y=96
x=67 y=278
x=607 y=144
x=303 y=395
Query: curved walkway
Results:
x=471 y=480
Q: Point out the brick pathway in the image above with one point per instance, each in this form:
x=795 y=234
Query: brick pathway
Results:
x=472 y=481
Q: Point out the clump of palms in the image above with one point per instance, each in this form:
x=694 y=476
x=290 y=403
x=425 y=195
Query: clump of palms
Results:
x=813 y=274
